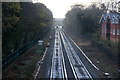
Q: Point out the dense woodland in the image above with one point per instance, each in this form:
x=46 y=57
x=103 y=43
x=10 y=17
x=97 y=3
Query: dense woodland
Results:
x=22 y=23
x=84 y=21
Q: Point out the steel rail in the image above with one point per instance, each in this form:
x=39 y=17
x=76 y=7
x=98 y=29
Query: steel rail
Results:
x=77 y=60
x=83 y=54
x=54 y=51
x=67 y=51
x=74 y=53
x=63 y=60
x=58 y=60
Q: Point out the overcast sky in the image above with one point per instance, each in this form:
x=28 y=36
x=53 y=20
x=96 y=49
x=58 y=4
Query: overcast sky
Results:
x=60 y=7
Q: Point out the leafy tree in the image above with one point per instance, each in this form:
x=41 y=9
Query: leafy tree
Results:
x=22 y=23
x=80 y=20
x=10 y=18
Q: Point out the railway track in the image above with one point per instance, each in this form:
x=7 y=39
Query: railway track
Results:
x=59 y=68
x=78 y=68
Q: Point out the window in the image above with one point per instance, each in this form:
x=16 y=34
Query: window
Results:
x=113 y=20
x=116 y=20
x=118 y=32
x=113 y=31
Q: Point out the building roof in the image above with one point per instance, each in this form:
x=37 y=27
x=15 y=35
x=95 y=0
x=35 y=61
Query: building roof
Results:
x=112 y=15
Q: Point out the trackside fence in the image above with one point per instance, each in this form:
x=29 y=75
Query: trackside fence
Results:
x=13 y=56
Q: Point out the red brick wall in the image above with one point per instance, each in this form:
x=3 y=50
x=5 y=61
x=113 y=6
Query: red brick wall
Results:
x=115 y=32
x=118 y=33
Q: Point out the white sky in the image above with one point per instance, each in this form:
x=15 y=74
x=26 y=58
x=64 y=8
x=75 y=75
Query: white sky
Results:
x=60 y=7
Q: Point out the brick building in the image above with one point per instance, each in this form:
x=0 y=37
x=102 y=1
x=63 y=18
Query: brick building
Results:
x=110 y=26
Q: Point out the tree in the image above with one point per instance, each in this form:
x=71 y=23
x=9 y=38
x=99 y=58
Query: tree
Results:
x=22 y=23
x=10 y=18
x=80 y=20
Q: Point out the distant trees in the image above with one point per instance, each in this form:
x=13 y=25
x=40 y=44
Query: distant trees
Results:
x=81 y=20
x=22 y=23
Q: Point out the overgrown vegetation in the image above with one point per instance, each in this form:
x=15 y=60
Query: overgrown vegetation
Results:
x=24 y=67
x=22 y=23
x=85 y=21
